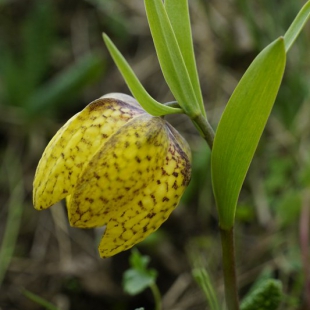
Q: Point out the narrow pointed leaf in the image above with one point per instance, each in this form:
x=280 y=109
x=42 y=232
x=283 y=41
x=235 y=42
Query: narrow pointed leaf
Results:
x=178 y=14
x=149 y=104
x=241 y=126
x=296 y=26
x=170 y=58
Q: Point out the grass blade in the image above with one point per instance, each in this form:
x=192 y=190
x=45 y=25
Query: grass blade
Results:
x=39 y=300
x=203 y=280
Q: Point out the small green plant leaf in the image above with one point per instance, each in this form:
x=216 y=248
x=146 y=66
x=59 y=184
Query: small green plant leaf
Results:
x=139 y=277
x=267 y=296
x=149 y=104
x=203 y=280
x=136 y=281
x=138 y=261
x=170 y=58
x=241 y=126
x=296 y=26
x=183 y=33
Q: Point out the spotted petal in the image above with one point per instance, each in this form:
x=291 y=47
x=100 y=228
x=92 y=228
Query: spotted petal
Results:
x=119 y=171
x=132 y=184
x=75 y=144
x=148 y=210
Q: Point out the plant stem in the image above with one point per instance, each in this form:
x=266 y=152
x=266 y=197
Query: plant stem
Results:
x=205 y=129
x=227 y=236
x=229 y=269
x=201 y=124
x=156 y=295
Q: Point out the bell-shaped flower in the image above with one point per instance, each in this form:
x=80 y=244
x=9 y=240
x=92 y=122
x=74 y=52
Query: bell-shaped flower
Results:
x=118 y=166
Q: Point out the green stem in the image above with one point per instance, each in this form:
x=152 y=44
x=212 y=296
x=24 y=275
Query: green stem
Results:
x=205 y=129
x=229 y=269
x=201 y=123
x=156 y=295
x=227 y=236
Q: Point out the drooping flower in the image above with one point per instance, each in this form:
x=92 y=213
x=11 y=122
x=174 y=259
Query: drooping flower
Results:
x=118 y=166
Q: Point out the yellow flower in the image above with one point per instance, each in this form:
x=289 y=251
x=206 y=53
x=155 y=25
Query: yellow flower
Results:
x=116 y=165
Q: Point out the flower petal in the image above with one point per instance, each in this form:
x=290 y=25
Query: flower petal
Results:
x=74 y=145
x=119 y=172
x=147 y=211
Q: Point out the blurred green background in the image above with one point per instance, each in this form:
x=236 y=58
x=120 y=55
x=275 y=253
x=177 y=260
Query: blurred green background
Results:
x=53 y=63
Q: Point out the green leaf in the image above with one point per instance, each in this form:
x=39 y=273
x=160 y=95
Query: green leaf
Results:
x=139 y=277
x=138 y=261
x=296 y=26
x=241 y=126
x=136 y=281
x=149 y=104
x=267 y=296
x=178 y=14
x=203 y=280
x=170 y=58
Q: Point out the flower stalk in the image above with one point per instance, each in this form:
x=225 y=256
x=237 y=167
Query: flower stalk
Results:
x=205 y=129
x=229 y=269
x=227 y=235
